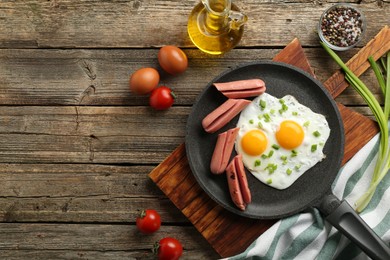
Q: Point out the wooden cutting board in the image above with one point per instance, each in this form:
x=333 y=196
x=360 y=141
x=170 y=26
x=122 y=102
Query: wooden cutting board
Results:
x=217 y=225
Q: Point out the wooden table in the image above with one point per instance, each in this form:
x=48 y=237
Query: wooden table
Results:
x=76 y=146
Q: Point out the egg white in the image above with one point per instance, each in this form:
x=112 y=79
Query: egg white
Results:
x=290 y=165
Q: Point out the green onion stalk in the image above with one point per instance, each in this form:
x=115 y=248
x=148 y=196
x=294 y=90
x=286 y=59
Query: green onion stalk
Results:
x=382 y=165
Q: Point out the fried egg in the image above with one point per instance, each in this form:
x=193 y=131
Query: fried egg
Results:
x=280 y=139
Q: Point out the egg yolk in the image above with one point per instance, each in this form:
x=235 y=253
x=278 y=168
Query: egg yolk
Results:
x=290 y=134
x=254 y=142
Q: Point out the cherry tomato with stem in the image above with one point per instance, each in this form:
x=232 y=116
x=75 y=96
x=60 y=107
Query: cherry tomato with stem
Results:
x=149 y=221
x=168 y=248
x=161 y=98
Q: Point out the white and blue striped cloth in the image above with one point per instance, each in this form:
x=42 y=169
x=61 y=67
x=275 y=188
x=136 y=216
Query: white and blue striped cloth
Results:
x=308 y=236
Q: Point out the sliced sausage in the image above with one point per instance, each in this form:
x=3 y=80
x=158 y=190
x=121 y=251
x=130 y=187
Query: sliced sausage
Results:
x=234 y=186
x=241 y=88
x=223 y=114
x=238 y=183
x=246 y=193
x=223 y=150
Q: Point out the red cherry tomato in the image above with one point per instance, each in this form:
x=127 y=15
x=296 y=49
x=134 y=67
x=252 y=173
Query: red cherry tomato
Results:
x=172 y=59
x=149 y=221
x=144 y=80
x=168 y=249
x=161 y=98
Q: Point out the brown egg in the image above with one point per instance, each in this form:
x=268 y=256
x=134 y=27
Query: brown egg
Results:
x=172 y=59
x=144 y=80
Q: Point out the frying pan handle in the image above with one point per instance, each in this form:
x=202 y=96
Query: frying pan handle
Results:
x=343 y=217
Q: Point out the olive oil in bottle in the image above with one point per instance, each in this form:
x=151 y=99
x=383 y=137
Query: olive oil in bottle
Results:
x=215 y=26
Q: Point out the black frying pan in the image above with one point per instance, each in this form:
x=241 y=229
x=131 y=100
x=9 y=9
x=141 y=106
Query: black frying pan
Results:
x=313 y=188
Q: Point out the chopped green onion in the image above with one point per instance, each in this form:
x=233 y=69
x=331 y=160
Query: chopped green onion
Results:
x=269 y=181
x=272 y=111
x=313 y=148
x=306 y=124
x=251 y=121
x=281 y=101
x=297 y=167
x=294 y=153
x=260 y=125
x=288 y=171
x=271 y=168
x=284 y=159
x=257 y=163
x=317 y=134
x=270 y=153
x=294 y=113
x=262 y=104
x=267 y=118
x=264 y=156
x=283 y=109
x=275 y=146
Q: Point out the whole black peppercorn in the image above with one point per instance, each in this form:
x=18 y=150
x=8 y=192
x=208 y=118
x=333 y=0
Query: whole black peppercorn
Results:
x=341 y=26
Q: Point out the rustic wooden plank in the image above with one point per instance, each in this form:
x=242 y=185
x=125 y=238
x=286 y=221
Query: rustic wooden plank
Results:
x=79 y=254
x=98 y=240
x=365 y=111
x=100 y=77
x=96 y=121
x=89 y=134
x=74 y=254
x=80 y=193
x=297 y=19
x=86 y=209
x=123 y=24
x=75 y=181
x=25 y=148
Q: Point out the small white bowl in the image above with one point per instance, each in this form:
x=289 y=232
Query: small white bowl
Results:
x=338 y=30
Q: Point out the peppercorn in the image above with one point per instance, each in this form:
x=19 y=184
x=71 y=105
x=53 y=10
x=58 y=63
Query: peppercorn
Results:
x=342 y=26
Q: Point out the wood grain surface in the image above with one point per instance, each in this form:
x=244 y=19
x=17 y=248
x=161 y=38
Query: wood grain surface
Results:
x=76 y=146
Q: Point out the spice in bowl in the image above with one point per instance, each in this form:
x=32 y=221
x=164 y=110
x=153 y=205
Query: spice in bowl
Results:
x=341 y=27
